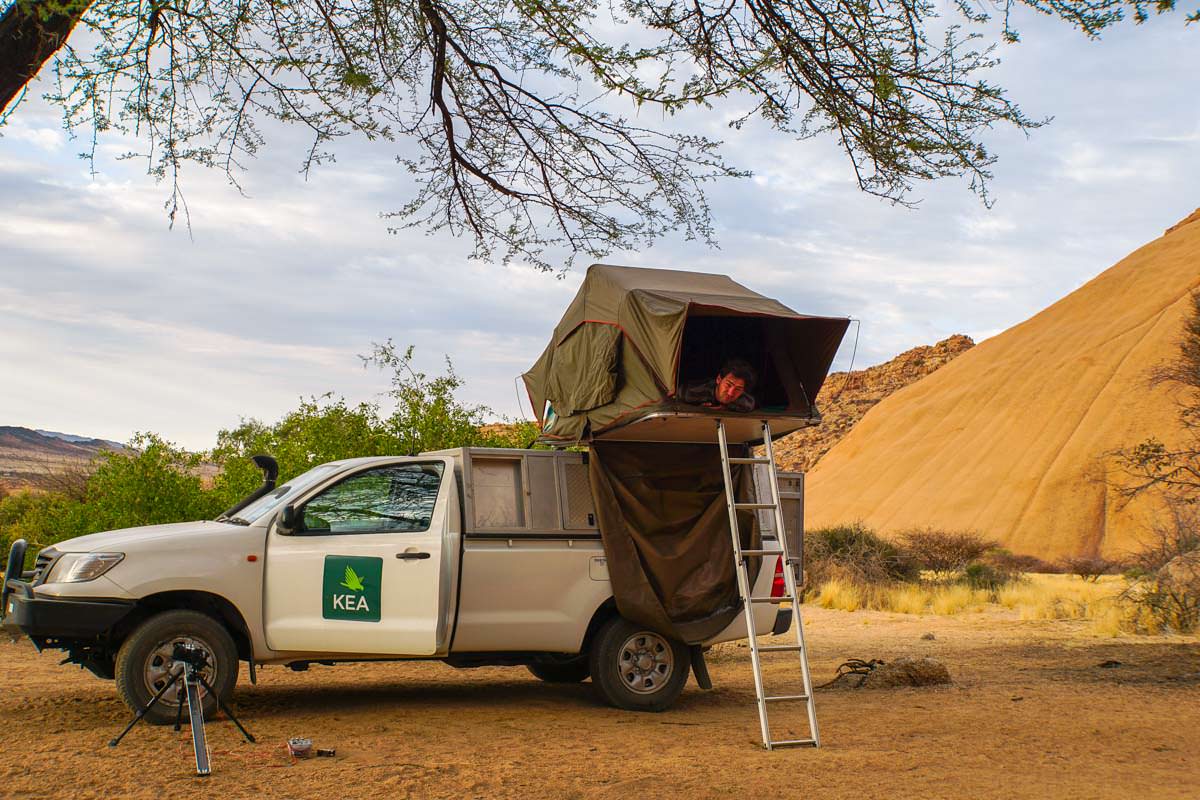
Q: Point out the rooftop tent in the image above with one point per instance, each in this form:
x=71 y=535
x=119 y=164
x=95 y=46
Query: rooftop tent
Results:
x=628 y=343
x=632 y=338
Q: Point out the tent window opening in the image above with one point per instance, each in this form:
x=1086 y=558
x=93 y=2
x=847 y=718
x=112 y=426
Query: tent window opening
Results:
x=709 y=341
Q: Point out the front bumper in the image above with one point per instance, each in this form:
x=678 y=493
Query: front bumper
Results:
x=43 y=618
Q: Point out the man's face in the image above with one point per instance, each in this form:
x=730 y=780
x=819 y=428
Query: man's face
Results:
x=729 y=388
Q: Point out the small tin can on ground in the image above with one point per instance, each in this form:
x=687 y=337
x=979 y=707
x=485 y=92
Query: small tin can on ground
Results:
x=300 y=747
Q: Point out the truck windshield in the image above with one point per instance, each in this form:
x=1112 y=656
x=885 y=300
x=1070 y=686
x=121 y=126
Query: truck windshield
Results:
x=269 y=502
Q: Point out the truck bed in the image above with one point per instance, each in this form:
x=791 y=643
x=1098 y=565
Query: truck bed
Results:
x=533 y=569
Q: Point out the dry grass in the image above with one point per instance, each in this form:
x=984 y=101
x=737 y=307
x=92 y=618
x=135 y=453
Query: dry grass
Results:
x=1034 y=597
x=839 y=594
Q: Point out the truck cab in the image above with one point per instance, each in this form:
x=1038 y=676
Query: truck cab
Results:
x=474 y=556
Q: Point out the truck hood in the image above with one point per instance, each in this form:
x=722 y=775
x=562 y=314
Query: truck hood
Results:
x=135 y=538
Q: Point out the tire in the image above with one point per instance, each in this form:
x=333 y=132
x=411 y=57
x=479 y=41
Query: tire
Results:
x=144 y=662
x=570 y=672
x=637 y=669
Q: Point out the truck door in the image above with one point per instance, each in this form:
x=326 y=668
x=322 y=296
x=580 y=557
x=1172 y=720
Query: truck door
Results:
x=362 y=570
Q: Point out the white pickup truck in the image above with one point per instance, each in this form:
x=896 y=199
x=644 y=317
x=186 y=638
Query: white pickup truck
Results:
x=473 y=556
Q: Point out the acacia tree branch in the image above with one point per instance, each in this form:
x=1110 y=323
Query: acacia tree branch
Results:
x=30 y=33
x=506 y=111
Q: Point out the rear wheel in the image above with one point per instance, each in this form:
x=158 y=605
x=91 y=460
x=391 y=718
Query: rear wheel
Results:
x=636 y=668
x=571 y=672
x=145 y=663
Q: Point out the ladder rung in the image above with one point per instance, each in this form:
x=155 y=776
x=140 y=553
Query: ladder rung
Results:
x=749 y=461
x=794 y=743
x=775 y=600
x=780 y=648
x=758 y=553
x=787 y=697
x=754 y=505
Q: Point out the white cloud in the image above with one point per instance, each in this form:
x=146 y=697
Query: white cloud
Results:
x=43 y=138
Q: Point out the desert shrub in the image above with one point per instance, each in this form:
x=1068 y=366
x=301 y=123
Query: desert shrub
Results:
x=1089 y=568
x=987 y=577
x=1008 y=561
x=426 y=414
x=41 y=519
x=150 y=482
x=856 y=554
x=1164 y=577
x=944 y=552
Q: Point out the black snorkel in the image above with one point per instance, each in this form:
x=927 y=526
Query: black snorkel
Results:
x=270 y=470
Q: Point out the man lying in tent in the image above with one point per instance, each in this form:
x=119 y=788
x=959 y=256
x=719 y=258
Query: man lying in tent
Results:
x=729 y=390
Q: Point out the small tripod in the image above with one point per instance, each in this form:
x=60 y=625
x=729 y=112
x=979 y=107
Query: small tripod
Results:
x=189 y=660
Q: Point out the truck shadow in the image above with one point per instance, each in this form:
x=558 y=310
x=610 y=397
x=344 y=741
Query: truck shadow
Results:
x=266 y=700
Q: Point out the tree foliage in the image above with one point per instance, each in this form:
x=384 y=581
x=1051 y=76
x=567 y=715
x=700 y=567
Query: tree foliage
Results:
x=154 y=481
x=515 y=113
x=150 y=482
x=1151 y=464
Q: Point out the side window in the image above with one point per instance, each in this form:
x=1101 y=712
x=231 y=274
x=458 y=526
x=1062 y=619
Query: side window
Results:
x=395 y=499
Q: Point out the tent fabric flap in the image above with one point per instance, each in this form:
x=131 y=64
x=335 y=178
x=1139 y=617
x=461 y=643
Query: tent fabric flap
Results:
x=665 y=528
x=585 y=369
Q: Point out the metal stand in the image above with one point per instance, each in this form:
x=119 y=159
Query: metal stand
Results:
x=189 y=660
x=745 y=588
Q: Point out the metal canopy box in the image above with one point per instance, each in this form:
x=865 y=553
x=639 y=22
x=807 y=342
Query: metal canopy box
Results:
x=511 y=492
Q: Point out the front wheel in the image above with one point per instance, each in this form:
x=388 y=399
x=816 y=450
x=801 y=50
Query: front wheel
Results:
x=145 y=663
x=637 y=669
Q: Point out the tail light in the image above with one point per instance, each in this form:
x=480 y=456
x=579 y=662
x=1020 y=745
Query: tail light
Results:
x=778 y=586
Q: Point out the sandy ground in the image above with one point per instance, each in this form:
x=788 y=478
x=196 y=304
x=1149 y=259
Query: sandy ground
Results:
x=1031 y=714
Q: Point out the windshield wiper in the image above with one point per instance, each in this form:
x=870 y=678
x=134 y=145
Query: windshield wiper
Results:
x=235 y=521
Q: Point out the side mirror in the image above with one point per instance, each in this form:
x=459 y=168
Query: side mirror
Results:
x=288 y=519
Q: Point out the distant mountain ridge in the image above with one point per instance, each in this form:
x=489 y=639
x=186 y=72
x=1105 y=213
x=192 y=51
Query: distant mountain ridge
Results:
x=28 y=456
x=82 y=440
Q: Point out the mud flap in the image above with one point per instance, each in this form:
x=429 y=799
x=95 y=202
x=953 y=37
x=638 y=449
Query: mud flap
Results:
x=699 y=668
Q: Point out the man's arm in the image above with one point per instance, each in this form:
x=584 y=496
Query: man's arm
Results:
x=744 y=403
x=698 y=392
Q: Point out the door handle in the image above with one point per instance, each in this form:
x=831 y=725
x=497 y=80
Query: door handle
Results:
x=412 y=556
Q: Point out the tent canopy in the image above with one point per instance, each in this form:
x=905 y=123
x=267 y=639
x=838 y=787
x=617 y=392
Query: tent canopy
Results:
x=633 y=338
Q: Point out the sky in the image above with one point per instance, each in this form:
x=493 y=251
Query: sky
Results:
x=111 y=322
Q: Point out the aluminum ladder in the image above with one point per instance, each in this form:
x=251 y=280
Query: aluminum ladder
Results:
x=749 y=601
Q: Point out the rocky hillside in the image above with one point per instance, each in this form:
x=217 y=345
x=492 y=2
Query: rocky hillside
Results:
x=29 y=458
x=847 y=396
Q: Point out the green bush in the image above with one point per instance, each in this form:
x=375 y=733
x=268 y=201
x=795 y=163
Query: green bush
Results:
x=981 y=575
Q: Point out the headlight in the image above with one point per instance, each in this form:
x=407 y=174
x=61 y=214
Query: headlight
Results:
x=80 y=567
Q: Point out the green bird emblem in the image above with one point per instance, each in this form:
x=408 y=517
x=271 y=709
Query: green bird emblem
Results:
x=352 y=581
